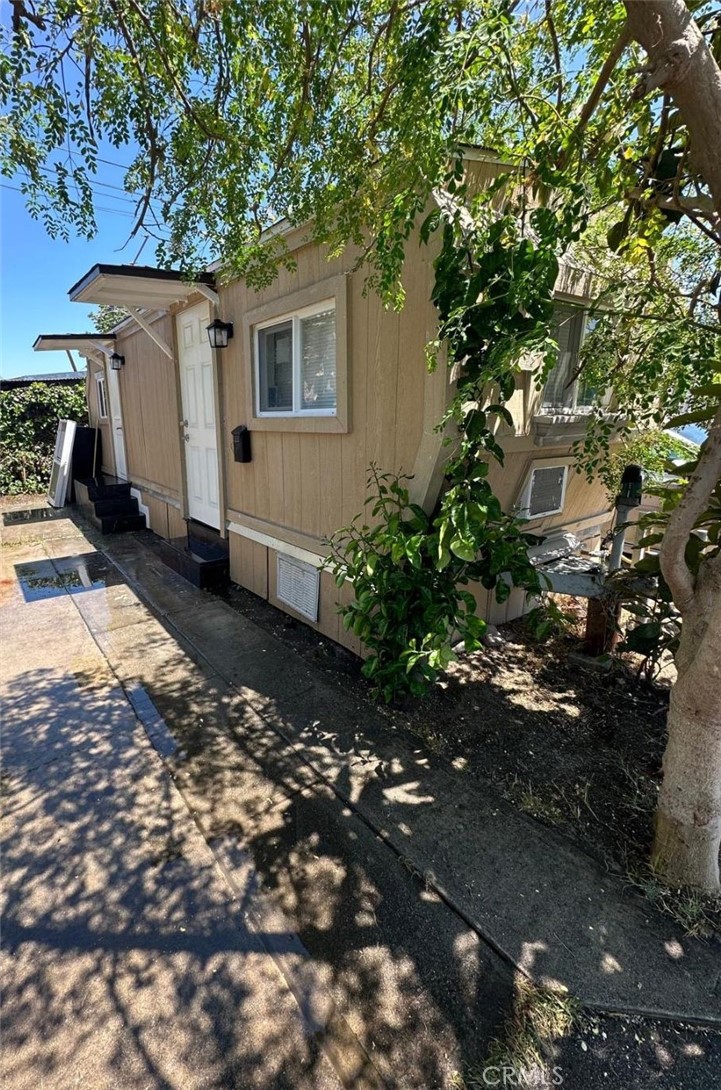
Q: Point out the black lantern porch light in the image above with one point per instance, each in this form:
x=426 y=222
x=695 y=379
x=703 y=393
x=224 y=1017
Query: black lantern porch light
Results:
x=631 y=492
x=116 y=361
x=219 y=333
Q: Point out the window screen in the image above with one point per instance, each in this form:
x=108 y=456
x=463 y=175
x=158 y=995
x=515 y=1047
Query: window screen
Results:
x=275 y=352
x=318 y=361
x=557 y=394
x=546 y=490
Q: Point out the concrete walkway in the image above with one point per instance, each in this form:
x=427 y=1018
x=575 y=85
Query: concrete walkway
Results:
x=200 y=890
x=186 y=903
x=535 y=897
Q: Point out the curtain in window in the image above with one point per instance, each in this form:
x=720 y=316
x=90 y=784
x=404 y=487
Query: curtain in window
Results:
x=318 y=371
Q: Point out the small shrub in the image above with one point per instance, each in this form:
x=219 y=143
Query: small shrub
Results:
x=409 y=572
x=548 y=619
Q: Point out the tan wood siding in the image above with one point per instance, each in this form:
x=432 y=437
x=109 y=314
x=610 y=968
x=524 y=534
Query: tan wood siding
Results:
x=249 y=564
x=176 y=523
x=157 y=515
x=149 y=401
x=314 y=483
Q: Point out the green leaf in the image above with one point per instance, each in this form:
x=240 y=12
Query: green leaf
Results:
x=463 y=549
x=616 y=234
x=711 y=389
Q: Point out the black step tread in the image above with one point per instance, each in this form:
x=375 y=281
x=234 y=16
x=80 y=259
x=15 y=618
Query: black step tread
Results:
x=202 y=550
x=116 y=505
x=208 y=574
x=105 y=487
x=200 y=534
x=117 y=524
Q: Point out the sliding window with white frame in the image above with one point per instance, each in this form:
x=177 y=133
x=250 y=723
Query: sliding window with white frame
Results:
x=295 y=363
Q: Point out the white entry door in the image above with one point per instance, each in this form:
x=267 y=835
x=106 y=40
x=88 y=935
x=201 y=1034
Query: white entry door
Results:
x=115 y=410
x=198 y=426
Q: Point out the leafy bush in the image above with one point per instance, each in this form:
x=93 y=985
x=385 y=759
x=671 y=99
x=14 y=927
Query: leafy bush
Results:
x=548 y=619
x=652 y=450
x=409 y=572
x=493 y=289
x=28 y=424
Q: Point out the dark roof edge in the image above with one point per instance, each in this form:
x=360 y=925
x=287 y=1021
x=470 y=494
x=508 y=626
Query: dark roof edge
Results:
x=140 y=271
x=52 y=377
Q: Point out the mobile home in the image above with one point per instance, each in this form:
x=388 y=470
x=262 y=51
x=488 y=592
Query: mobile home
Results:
x=265 y=443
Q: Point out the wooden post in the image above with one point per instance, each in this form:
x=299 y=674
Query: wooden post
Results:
x=602 y=619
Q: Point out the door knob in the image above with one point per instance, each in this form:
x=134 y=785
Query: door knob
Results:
x=187 y=438
x=183 y=423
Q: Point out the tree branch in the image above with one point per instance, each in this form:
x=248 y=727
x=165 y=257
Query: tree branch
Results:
x=682 y=65
x=598 y=88
x=556 y=54
x=701 y=484
x=20 y=12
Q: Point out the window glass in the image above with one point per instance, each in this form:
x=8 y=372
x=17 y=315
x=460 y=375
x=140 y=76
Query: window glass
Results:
x=296 y=364
x=318 y=371
x=102 y=402
x=558 y=393
x=586 y=394
x=275 y=365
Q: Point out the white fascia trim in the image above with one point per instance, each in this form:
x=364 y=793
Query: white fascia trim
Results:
x=277 y=544
x=487 y=155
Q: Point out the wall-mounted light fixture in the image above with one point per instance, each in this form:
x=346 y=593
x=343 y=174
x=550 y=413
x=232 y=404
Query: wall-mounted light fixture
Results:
x=219 y=333
x=116 y=361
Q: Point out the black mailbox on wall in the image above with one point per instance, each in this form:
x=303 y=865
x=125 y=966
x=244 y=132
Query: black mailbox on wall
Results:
x=241 y=443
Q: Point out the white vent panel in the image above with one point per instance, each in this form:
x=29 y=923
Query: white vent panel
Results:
x=298 y=586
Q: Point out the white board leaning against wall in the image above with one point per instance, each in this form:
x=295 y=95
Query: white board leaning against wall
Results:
x=62 y=463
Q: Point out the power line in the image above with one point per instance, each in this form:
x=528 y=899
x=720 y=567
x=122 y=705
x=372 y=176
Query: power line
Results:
x=127 y=194
x=97 y=207
x=104 y=208
x=110 y=163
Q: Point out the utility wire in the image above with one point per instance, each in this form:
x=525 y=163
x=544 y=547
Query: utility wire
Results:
x=126 y=194
x=97 y=207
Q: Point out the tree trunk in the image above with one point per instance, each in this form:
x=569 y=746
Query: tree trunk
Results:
x=688 y=819
x=682 y=65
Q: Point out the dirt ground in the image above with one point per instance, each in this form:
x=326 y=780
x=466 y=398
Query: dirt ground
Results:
x=575 y=746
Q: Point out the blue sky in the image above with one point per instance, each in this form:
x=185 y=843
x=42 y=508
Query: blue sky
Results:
x=37 y=270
